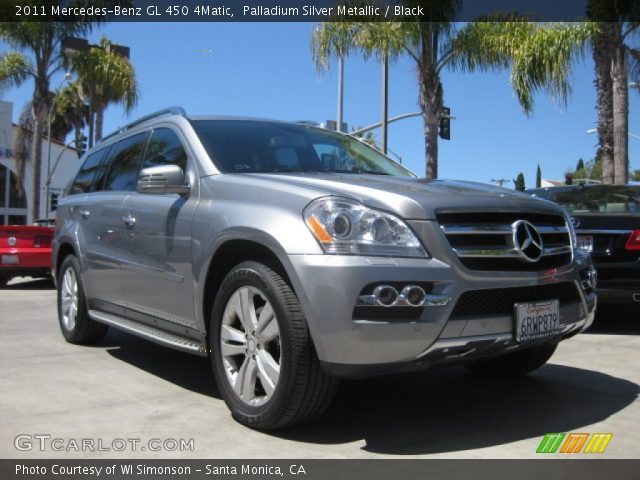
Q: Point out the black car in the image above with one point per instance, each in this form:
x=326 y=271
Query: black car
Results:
x=607 y=222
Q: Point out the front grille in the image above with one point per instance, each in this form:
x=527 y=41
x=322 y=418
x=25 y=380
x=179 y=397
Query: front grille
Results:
x=500 y=301
x=484 y=240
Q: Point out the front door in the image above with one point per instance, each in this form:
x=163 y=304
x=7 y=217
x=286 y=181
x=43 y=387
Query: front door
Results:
x=157 y=270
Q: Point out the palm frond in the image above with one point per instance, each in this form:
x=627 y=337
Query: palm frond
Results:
x=15 y=69
x=544 y=62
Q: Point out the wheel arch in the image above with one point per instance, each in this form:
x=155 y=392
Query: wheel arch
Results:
x=237 y=247
x=229 y=254
x=64 y=250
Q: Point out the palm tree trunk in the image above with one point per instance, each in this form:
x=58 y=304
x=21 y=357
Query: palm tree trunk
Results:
x=619 y=74
x=602 y=54
x=39 y=113
x=99 y=123
x=431 y=107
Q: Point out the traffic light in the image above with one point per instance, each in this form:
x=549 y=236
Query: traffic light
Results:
x=82 y=147
x=445 y=124
x=568 y=179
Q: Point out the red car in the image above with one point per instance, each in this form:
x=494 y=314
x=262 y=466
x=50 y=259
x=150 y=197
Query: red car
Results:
x=25 y=250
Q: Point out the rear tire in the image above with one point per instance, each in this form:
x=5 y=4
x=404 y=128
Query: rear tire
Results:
x=265 y=365
x=75 y=323
x=513 y=364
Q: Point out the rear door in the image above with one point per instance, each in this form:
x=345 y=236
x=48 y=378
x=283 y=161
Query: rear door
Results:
x=157 y=264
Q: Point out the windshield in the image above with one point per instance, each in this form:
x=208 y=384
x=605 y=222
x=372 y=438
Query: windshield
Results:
x=241 y=146
x=600 y=199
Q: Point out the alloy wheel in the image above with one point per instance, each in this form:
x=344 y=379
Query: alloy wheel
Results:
x=250 y=346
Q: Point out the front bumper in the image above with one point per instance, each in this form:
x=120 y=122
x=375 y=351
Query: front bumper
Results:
x=328 y=287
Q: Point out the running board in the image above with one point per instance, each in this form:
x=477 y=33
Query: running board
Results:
x=149 y=333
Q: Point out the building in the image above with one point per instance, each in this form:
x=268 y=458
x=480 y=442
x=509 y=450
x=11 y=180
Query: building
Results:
x=16 y=209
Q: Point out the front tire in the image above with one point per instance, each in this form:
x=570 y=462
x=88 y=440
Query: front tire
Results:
x=75 y=323
x=265 y=365
x=513 y=364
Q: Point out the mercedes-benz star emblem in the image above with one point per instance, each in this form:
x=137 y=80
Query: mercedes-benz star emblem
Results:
x=12 y=241
x=527 y=241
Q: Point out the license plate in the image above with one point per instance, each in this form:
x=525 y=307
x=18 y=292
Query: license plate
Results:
x=537 y=320
x=10 y=259
x=585 y=242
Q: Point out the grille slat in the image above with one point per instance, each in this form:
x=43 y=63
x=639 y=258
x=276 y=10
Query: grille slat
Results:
x=500 y=301
x=484 y=240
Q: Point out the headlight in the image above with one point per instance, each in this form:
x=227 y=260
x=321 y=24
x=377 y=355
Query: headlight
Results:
x=345 y=227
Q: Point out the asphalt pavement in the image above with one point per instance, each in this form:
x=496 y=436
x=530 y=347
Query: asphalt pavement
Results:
x=54 y=396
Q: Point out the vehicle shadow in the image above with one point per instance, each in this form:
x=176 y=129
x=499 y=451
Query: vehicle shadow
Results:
x=445 y=409
x=30 y=284
x=182 y=369
x=616 y=320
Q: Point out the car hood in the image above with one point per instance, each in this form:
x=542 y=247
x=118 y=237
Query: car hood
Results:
x=413 y=198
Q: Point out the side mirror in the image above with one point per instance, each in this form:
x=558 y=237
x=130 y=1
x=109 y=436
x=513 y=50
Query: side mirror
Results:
x=162 y=179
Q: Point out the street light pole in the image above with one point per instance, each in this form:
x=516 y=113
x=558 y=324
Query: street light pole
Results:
x=385 y=102
x=391 y=120
x=67 y=77
x=340 y=91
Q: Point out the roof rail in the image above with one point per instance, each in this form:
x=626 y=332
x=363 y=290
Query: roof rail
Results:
x=165 y=111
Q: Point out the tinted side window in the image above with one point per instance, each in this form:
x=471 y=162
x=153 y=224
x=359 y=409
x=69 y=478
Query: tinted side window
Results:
x=165 y=148
x=124 y=160
x=88 y=172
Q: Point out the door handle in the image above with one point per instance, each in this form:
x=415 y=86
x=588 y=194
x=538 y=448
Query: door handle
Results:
x=85 y=213
x=129 y=220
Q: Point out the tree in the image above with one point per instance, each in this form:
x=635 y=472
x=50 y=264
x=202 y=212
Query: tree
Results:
x=580 y=165
x=105 y=78
x=538 y=177
x=70 y=114
x=615 y=60
x=635 y=176
x=519 y=183
x=591 y=170
x=37 y=57
x=602 y=53
x=539 y=55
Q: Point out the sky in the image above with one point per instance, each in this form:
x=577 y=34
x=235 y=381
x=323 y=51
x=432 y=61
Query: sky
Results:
x=265 y=70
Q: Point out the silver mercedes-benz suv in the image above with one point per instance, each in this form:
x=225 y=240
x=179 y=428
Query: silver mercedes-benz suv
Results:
x=293 y=256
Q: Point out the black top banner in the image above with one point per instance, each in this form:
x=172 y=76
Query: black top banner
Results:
x=315 y=10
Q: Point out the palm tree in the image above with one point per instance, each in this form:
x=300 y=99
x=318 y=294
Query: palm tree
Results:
x=105 y=78
x=70 y=114
x=602 y=51
x=36 y=57
x=615 y=60
x=495 y=44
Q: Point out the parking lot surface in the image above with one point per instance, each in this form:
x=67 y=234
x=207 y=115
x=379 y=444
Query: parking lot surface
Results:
x=128 y=388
